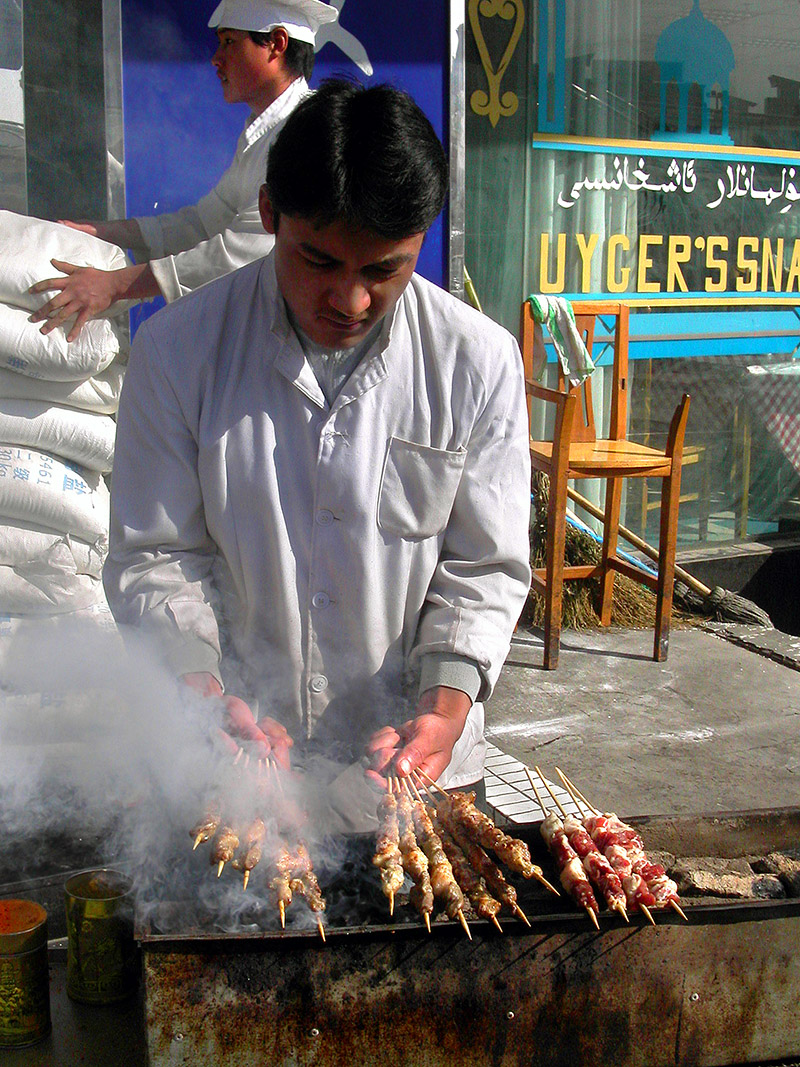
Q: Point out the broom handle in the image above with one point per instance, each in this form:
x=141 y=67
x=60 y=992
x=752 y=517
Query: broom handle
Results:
x=637 y=542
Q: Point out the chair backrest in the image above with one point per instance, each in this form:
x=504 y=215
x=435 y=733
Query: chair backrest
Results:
x=587 y=313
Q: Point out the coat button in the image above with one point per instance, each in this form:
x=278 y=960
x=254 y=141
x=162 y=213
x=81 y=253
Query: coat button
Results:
x=324 y=517
x=319 y=684
x=320 y=600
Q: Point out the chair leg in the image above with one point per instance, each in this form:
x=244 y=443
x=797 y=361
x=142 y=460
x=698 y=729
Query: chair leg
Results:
x=670 y=502
x=610 y=537
x=554 y=590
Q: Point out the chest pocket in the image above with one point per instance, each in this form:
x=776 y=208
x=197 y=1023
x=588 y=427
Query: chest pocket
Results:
x=418 y=487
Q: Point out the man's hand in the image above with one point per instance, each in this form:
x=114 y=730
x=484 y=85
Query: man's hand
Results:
x=86 y=292
x=270 y=736
x=424 y=743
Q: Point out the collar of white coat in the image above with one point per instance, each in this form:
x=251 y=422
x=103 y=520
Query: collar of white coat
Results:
x=281 y=328
x=277 y=111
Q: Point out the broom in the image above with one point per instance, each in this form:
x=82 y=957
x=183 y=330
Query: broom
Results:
x=633 y=605
x=719 y=604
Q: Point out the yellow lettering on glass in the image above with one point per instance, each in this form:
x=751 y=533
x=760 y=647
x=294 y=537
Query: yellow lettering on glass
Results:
x=747 y=282
x=679 y=250
x=793 y=280
x=586 y=251
x=646 y=240
x=545 y=285
x=715 y=244
x=772 y=267
x=616 y=281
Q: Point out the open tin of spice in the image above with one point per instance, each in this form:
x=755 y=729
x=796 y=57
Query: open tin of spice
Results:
x=24 y=977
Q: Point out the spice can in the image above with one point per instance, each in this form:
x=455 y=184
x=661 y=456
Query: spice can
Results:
x=24 y=976
x=101 y=956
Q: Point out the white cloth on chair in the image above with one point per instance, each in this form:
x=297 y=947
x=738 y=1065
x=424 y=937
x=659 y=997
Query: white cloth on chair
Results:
x=555 y=313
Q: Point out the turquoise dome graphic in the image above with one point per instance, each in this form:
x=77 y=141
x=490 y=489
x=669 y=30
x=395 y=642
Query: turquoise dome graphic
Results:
x=693 y=51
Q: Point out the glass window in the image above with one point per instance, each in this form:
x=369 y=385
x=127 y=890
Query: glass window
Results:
x=650 y=151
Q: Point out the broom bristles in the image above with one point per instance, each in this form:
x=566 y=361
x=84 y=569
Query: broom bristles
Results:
x=633 y=604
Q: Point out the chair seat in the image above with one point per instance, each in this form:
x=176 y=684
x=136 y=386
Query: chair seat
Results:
x=590 y=459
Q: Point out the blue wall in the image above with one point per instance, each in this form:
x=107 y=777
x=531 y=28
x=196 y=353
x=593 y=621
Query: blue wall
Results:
x=179 y=133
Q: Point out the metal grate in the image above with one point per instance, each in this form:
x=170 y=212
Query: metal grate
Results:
x=509 y=794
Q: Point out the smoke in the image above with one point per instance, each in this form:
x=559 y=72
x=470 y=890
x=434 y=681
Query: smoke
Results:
x=101 y=749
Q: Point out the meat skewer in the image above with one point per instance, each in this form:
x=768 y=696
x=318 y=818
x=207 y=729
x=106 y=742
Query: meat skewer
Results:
x=250 y=852
x=443 y=881
x=608 y=830
x=637 y=895
x=486 y=868
x=468 y=878
x=387 y=857
x=207 y=827
x=515 y=854
x=304 y=881
x=223 y=847
x=571 y=872
x=415 y=862
x=281 y=882
x=601 y=874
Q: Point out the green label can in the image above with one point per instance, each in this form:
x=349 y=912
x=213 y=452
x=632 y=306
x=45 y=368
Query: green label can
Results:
x=24 y=976
x=101 y=956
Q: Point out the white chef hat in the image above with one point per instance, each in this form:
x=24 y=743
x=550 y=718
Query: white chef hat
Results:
x=300 y=18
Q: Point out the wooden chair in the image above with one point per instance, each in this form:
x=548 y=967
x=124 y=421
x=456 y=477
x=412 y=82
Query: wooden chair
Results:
x=577 y=451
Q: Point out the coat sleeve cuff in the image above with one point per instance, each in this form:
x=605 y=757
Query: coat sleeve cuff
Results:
x=456 y=672
x=194 y=657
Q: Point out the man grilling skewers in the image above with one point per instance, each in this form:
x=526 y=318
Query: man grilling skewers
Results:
x=322 y=466
x=264 y=58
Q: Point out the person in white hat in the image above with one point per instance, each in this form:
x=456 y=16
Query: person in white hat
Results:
x=264 y=58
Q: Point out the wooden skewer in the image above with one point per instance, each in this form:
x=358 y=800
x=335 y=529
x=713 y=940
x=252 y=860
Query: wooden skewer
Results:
x=219 y=869
x=238 y=756
x=536 y=792
x=497 y=924
x=464 y=923
x=575 y=793
x=676 y=906
x=427 y=920
x=246 y=879
x=643 y=908
x=428 y=778
x=246 y=758
x=282 y=910
x=549 y=789
x=321 y=928
x=197 y=841
x=518 y=911
x=589 y=911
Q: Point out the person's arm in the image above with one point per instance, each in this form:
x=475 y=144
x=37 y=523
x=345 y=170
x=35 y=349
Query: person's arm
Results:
x=223 y=242
x=157 y=575
x=86 y=292
x=479 y=586
x=123 y=232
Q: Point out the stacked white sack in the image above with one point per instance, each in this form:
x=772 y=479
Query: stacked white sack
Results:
x=56 y=429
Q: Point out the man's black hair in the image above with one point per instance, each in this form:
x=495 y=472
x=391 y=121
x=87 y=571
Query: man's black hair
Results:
x=298 y=57
x=365 y=156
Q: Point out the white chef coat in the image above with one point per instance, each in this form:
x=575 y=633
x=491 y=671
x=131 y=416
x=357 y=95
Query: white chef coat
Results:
x=325 y=547
x=190 y=247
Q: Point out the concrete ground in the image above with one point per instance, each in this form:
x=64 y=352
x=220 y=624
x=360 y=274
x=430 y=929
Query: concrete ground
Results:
x=714 y=728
